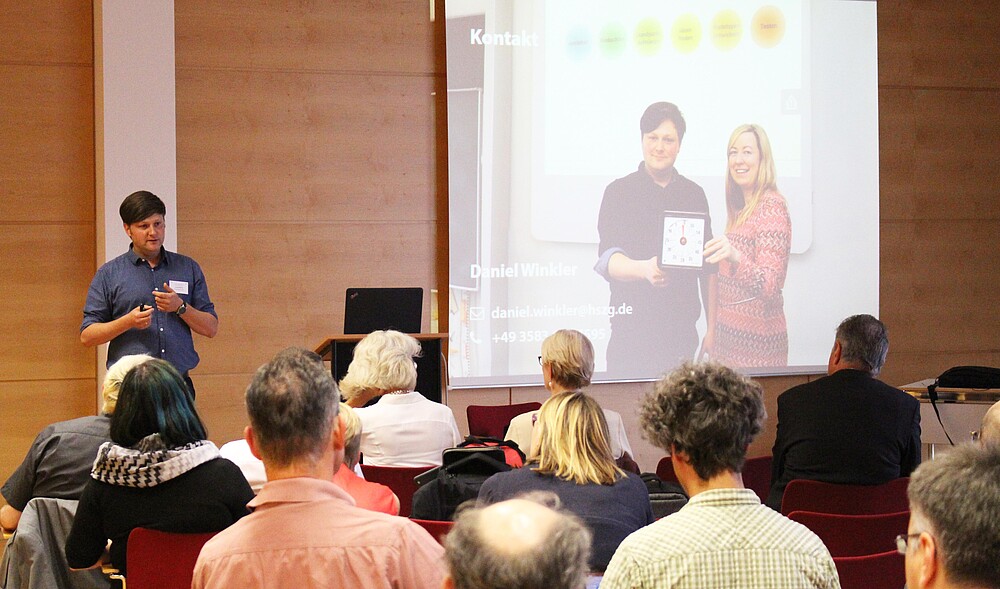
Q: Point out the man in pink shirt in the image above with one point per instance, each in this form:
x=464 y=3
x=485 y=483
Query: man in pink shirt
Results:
x=304 y=529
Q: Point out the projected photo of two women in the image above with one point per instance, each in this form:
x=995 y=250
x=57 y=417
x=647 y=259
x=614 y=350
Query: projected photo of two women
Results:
x=696 y=180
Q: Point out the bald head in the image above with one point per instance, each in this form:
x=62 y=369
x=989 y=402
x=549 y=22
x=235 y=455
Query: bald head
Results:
x=989 y=433
x=516 y=527
x=520 y=543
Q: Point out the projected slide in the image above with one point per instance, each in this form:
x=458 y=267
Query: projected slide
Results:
x=676 y=180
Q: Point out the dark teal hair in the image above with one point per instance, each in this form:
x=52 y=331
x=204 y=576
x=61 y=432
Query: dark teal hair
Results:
x=155 y=400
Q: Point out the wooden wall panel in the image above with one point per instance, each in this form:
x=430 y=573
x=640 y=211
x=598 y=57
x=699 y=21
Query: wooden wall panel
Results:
x=934 y=159
x=392 y=36
x=47 y=286
x=297 y=147
x=938 y=98
x=923 y=43
x=30 y=405
x=224 y=413
x=47 y=32
x=47 y=151
x=307 y=149
x=277 y=285
x=46 y=217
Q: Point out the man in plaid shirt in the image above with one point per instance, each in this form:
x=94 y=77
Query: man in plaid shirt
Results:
x=705 y=416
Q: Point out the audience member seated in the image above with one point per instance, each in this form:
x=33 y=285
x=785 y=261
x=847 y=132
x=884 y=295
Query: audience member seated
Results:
x=573 y=460
x=58 y=463
x=517 y=543
x=954 y=534
x=238 y=452
x=403 y=428
x=705 y=416
x=847 y=427
x=567 y=365
x=989 y=433
x=305 y=531
x=158 y=472
x=366 y=494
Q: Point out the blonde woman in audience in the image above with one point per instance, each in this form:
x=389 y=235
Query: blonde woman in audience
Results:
x=403 y=428
x=567 y=365
x=572 y=458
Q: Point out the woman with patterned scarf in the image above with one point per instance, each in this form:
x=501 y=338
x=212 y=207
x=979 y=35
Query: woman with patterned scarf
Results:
x=158 y=472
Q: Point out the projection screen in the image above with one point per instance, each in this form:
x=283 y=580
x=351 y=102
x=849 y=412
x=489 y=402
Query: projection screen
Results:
x=558 y=212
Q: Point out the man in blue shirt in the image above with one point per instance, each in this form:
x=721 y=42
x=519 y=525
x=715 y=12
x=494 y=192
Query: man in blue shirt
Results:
x=148 y=300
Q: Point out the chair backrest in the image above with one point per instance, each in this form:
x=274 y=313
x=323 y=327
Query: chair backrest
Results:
x=665 y=470
x=802 y=495
x=854 y=535
x=885 y=569
x=163 y=560
x=757 y=476
x=435 y=528
x=491 y=421
x=397 y=478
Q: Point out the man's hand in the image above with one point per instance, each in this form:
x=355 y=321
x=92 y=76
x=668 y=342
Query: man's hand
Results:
x=624 y=268
x=167 y=300
x=652 y=272
x=140 y=317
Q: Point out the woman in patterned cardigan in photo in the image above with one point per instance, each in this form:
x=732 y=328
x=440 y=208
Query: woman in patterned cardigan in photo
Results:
x=753 y=258
x=158 y=471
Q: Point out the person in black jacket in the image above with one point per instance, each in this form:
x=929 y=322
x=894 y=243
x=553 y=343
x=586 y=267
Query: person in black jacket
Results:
x=158 y=471
x=847 y=427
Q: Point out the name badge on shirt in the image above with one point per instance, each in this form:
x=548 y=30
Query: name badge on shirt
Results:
x=179 y=286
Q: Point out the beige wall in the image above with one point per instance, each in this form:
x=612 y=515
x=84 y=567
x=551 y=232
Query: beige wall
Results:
x=311 y=157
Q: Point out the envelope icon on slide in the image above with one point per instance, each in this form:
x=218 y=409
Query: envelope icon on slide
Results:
x=476 y=314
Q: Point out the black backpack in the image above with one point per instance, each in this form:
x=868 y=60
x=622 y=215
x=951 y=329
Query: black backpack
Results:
x=456 y=481
x=665 y=497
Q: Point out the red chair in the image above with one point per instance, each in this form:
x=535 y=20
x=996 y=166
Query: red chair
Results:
x=162 y=560
x=491 y=421
x=665 y=470
x=757 y=476
x=854 y=535
x=397 y=478
x=882 y=570
x=802 y=495
x=437 y=529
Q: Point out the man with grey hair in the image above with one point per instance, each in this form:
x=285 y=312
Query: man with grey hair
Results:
x=705 y=416
x=518 y=543
x=989 y=433
x=847 y=427
x=953 y=538
x=304 y=529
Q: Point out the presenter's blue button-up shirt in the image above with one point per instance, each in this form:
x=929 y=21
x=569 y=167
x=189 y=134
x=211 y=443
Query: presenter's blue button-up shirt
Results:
x=127 y=281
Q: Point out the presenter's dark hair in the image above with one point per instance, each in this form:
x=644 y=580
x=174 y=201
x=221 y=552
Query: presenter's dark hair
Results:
x=141 y=205
x=155 y=400
x=658 y=112
x=865 y=341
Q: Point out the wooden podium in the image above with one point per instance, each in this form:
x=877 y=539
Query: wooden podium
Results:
x=431 y=365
